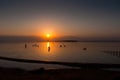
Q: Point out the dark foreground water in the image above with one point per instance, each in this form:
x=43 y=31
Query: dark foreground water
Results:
x=81 y=52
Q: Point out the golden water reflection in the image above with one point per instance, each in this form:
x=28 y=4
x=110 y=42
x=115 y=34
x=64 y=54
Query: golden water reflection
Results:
x=48 y=46
x=52 y=51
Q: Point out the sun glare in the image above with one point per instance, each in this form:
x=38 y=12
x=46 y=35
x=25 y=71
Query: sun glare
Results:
x=48 y=35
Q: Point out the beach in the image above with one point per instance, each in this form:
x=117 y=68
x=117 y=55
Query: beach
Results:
x=58 y=74
x=78 y=71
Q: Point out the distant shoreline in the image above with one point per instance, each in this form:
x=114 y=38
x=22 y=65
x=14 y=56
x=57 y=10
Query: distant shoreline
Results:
x=52 y=41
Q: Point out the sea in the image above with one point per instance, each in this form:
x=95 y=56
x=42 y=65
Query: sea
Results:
x=78 y=52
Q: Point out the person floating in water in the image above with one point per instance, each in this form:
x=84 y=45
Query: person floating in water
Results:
x=84 y=48
x=60 y=45
x=64 y=45
x=25 y=45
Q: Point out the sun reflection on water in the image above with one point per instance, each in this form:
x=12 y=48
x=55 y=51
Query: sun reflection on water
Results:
x=48 y=51
x=48 y=46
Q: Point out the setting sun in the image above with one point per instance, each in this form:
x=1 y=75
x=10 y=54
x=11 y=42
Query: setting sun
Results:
x=48 y=35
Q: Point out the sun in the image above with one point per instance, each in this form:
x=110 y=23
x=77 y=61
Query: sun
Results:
x=48 y=35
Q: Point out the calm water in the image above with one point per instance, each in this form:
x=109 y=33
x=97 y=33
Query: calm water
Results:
x=68 y=52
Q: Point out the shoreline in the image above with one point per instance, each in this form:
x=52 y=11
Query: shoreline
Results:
x=79 y=71
x=70 y=64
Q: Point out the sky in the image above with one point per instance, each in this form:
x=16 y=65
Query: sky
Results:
x=80 y=18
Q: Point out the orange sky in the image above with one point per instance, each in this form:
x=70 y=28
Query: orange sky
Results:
x=71 y=18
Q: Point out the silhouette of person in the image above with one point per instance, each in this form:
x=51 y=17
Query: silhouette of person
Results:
x=49 y=49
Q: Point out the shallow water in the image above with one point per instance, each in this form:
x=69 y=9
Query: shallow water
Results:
x=60 y=51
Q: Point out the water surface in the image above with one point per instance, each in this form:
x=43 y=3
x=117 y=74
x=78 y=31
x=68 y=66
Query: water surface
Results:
x=60 y=51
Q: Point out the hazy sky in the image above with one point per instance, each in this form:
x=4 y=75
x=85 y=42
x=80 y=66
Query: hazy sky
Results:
x=81 y=18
